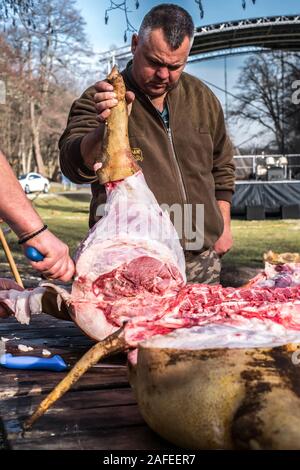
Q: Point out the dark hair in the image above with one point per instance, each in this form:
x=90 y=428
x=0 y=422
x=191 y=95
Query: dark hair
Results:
x=175 y=22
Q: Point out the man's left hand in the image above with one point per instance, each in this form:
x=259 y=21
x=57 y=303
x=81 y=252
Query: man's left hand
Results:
x=224 y=243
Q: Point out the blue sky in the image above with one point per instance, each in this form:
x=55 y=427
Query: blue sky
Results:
x=102 y=36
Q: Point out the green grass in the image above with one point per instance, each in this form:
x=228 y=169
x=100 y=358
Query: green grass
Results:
x=253 y=238
x=68 y=219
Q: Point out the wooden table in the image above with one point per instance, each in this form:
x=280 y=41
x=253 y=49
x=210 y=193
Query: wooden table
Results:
x=99 y=412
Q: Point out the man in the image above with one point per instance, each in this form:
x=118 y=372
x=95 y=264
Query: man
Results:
x=19 y=214
x=177 y=127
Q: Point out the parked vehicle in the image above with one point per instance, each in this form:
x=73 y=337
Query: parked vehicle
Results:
x=32 y=182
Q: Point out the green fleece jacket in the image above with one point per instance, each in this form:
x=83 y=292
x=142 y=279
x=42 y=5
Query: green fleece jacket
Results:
x=189 y=164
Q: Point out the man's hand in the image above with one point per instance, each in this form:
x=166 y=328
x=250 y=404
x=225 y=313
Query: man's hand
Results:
x=57 y=263
x=105 y=99
x=225 y=242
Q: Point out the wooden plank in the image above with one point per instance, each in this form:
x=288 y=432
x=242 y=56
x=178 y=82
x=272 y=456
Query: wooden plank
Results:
x=126 y=438
x=74 y=400
x=70 y=354
x=3 y=440
x=19 y=383
x=78 y=406
x=36 y=321
x=62 y=419
x=99 y=412
x=69 y=342
x=49 y=325
x=95 y=417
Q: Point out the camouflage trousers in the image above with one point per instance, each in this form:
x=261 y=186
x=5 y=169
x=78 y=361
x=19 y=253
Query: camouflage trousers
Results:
x=203 y=267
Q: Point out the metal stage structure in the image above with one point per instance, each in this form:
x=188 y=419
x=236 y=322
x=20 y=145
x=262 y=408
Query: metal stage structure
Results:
x=267 y=167
x=256 y=200
x=267 y=185
x=230 y=38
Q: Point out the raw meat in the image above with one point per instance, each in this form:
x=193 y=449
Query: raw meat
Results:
x=130 y=264
x=124 y=276
x=131 y=273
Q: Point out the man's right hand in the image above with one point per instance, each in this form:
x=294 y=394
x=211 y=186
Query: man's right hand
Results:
x=57 y=263
x=105 y=99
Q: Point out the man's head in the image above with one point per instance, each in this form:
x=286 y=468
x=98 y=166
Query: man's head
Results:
x=161 y=48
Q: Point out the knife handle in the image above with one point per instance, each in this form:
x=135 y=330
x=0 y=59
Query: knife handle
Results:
x=55 y=363
x=33 y=254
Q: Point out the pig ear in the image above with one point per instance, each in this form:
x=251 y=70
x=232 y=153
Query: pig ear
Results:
x=56 y=301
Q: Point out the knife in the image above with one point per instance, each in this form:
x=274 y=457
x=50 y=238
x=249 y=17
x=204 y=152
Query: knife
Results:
x=54 y=363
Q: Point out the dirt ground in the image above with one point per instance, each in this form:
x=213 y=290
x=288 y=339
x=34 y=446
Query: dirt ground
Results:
x=237 y=276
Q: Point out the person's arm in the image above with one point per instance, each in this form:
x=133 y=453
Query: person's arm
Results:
x=80 y=144
x=225 y=242
x=224 y=177
x=17 y=211
x=223 y=165
x=15 y=208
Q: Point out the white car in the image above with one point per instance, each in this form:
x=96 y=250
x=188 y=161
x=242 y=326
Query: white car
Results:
x=34 y=182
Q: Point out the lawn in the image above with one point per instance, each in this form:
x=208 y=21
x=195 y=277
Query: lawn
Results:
x=251 y=240
x=68 y=219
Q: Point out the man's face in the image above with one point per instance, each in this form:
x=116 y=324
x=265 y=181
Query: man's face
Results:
x=156 y=68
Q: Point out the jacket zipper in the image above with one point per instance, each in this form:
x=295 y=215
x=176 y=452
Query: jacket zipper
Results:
x=186 y=208
x=175 y=159
x=182 y=186
x=169 y=134
x=177 y=166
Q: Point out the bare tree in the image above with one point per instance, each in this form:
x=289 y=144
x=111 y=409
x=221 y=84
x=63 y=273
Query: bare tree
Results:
x=49 y=37
x=265 y=96
x=12 y=8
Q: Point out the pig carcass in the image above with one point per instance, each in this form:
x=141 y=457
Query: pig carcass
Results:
x=130 y=273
